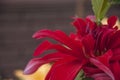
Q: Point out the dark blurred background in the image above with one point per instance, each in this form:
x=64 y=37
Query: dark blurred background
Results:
x=19 y=19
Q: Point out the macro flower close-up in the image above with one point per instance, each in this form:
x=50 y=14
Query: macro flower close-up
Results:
x=93 y=50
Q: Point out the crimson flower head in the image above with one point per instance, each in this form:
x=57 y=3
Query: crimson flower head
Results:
x=95 y=49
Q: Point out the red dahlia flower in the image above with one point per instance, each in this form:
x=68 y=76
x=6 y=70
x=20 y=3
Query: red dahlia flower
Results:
x=94 y=49
x=107 y=39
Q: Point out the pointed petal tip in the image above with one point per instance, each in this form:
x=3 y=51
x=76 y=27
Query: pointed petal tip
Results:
x=27 y=71
x=42 y=47
x=33 y=36
x=112 y=21
x=30 y=69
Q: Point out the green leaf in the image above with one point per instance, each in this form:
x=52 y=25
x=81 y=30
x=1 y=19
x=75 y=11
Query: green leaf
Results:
x=97 y=6
x=100 y=8
x=104 y=9
x=80 y=75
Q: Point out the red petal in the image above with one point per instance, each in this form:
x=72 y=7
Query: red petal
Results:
x=80 y=26
x=66 y=69
x=89 y=43
x=116 y=69
x=42 y=47
x=116 y=44
x=105 y=58
x=90 y=70
x=73 y=36
x=35 y=63
x=46 y=45
x=114 y=40
x=61 y=37
x=101 y=66
x=105 y=37
x=101 y=76
x=65 y=50
x=116 y=51
x=111 y=21
x=98 y=39
x=90 y=23
x=116 y=57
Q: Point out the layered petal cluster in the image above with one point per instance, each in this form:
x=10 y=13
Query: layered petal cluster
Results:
x=95 y=49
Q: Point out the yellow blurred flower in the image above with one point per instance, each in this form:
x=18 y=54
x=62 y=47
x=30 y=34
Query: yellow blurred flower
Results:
x=38 y=75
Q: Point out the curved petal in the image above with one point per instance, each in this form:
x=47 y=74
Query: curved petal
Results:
x=66 y=69
x=42 y=47
x=65 y=50
x=90 y=70
x=98 y=36
x=101 y=66
x=91 y=24
x=89 y=43
x=35 y=63
x=101 y=76
x=80 y=25
x=61 y=37
x=46 y=45
x=105 y=58
x=111 y=21
x=105 y=38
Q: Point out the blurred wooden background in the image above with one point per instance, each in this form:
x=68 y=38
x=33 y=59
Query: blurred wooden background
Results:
x=19 y=19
